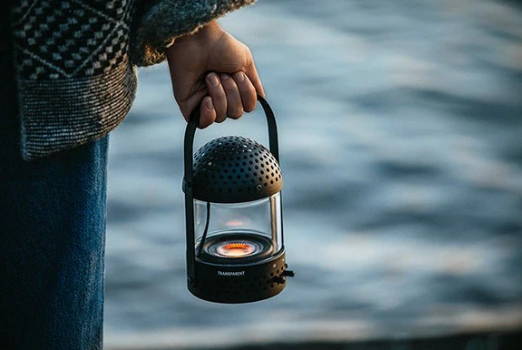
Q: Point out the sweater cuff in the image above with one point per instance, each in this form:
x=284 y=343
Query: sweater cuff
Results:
x=160 y=24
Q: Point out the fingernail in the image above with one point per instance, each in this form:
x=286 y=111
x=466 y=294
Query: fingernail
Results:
x=208 y=103
x=224 y=76
x=213 y=79
x=240 y=76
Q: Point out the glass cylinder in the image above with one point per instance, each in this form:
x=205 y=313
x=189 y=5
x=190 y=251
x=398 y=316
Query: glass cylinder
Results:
x=238 y=232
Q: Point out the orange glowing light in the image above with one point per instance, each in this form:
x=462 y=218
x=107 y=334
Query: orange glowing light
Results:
x=234 y=223
x=235 y=250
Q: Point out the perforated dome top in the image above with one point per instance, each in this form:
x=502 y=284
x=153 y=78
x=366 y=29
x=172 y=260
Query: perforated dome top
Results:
x=235 y=169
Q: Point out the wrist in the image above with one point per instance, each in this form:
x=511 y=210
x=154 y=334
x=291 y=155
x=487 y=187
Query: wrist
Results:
x=203 y=36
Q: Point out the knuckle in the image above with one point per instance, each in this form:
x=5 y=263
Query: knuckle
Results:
x=247 y=50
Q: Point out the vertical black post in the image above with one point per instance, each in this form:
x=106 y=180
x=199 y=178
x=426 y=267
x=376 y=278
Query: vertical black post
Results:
x=188 y=183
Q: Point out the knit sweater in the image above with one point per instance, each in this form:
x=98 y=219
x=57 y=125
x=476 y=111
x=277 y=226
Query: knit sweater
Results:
x=76 y=61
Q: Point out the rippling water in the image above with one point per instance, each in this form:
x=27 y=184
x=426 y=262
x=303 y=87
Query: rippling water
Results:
x=401 y=147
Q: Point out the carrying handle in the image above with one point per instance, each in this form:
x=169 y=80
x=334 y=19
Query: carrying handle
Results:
x=191 y=131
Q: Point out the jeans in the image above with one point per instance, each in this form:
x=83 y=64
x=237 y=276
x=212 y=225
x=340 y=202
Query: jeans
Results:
x=52 y=237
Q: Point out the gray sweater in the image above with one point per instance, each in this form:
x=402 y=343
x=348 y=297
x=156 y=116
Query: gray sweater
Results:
x=76 y=61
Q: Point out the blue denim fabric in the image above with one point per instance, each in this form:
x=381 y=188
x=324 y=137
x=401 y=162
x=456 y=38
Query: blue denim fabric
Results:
x=52 y=236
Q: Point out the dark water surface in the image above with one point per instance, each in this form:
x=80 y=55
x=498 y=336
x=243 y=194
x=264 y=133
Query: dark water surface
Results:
x=401 y=148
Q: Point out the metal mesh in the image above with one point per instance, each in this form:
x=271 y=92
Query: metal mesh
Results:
x=235 y=169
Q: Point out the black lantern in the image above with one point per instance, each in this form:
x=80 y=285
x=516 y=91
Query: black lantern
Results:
x=235 y=244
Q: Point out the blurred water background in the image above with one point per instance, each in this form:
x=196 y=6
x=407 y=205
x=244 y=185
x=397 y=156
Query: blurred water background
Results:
x=401 y=146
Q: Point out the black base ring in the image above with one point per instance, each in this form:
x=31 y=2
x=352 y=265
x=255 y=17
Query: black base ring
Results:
x=232 y=284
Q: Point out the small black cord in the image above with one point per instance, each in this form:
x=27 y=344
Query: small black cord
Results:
x=205 y=231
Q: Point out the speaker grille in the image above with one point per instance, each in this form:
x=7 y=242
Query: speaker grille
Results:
x=235 y=169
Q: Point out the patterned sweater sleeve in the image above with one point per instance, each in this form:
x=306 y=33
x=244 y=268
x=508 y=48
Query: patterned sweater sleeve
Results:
x=159 y=22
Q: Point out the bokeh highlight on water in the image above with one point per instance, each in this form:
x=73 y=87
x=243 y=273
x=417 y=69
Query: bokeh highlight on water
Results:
x=401 y=147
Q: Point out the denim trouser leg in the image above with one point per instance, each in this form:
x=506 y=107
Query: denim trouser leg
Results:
x=52 y=234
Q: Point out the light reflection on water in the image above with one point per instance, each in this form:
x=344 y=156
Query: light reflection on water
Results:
x=400 y=127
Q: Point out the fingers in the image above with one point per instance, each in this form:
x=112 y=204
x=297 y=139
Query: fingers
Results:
x=207 y=112
x=219 y=98
x=234 y=103
x=246 y=90
x=229 y=96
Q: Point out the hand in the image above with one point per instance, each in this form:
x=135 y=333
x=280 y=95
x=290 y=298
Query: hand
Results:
x=213 y=67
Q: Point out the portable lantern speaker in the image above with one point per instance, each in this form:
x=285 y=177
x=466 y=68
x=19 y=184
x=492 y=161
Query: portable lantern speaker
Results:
x=235 y=244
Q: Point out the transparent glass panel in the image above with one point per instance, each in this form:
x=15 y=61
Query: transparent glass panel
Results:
x=261 y=218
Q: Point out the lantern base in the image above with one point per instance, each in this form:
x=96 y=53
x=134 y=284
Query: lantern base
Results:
x=234 y=284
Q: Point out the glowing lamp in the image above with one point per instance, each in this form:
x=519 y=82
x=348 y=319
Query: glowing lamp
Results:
x=235 y=245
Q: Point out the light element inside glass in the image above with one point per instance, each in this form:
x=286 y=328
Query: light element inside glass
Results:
x=234 y=223
x=235 y=249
